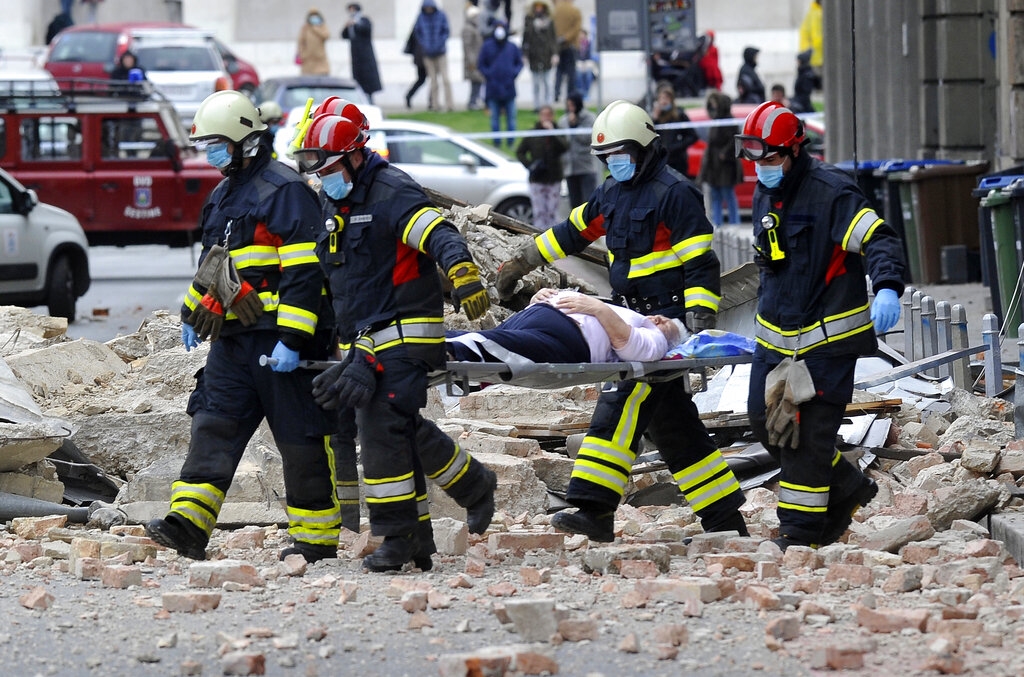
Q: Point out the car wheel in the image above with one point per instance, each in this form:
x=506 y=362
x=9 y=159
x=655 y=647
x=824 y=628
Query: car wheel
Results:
x=518 y=208
x=60 y=292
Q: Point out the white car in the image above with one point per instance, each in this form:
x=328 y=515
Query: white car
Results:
x=440 y=159
x=43 y=252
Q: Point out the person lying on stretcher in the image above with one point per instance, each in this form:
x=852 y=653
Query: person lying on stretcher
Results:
x=561 y=326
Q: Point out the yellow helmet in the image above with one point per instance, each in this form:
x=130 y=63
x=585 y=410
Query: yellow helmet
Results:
x=228 y=114
x=620 y=123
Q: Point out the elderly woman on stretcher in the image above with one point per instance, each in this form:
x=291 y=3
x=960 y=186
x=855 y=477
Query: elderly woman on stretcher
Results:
x=562 y=326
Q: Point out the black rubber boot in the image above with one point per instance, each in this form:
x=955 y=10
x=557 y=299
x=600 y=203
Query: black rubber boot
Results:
x=393 y=553
x=597 y=526
x=311 y=551
x=784 y=541
x=839 y=516
x=732 y=522
x=480 y=514
x=179 y=535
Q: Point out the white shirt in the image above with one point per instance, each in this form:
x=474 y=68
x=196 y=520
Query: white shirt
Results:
x=646 y=342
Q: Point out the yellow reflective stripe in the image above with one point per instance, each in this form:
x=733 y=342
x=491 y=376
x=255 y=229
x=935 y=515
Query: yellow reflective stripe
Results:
x=835 y=328
x=423 y=508
x=596 y=448
x=296 y=318
x=297 y=254
x=313 y=517
x=192 y=297
x=801 y=497
x=654 y=262
x=599 y=474
x=409 y=330
x=692 y=247
x=802 y=508
x=625 y=429
x=860 y=230
x=390 y=489
x=715 y=490
x=204 y=493
x=200 y=519
x=419 y=227
x=701 y=296
x=348 y=492
x=838 y=457
x=547 y=245
x=694 y=475
x=453 y=470
x=576 y=218
x=255 y=256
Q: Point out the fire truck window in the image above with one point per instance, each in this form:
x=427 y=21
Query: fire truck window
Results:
x=131 y=138
x=51 y=139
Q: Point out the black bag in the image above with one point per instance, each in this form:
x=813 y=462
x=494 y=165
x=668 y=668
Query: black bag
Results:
x=410 y=44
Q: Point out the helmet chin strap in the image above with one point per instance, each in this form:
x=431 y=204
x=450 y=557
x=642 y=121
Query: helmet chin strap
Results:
x=347 y=164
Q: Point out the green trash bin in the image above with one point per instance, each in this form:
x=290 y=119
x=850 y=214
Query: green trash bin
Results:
x=1001 y=201
x=938 y=209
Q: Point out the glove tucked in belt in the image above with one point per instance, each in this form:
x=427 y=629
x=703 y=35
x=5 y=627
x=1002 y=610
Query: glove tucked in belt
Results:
x=468 y=291
x=786 y=387
x=219 y=277
x=208 y=318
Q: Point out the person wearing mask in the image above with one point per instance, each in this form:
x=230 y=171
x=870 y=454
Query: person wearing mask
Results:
x=432 y=33
x=310 y=52
x=358 y=30
x=568 y=24
x=720 y=169
x=581 y=168
x=749 y=87
x=564 y=326
x=472 y=40
x=539 y=50
x=816 y=238
x=662 y=262
x=380 y=248
x=500 y=62
x=677 y=139
x=258 y=291
x=542 y=155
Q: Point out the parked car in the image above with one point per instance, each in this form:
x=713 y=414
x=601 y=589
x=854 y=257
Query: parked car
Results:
x=44 y=258
x=92 y=51
x=292 y=91
x=439 y=159
x=814 y=126
x=117 y=158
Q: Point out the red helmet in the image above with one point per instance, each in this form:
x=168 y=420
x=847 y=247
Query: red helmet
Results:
x=336 y=105
x=328 y=139
x=770 y=128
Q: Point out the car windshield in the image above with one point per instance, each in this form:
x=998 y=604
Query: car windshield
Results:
x=84 y=46
x=177 y=58
x=297 y=96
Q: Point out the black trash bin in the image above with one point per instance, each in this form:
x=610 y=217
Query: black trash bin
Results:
x=1000 y=218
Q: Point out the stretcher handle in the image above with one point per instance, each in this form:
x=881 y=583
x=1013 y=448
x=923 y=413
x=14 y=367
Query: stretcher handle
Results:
x=316 y=365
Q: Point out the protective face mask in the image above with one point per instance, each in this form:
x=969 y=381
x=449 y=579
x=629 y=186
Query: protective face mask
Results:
x=666 y=106
x=499 y=33
x=315 y=21
x=769 y=175
x=335 y=186
x=217 y=155
x=621 y=167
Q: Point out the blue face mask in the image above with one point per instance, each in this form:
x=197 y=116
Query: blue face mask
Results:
x=217 y=155
x=769 y=175
x=621 y=167
x=335 y=186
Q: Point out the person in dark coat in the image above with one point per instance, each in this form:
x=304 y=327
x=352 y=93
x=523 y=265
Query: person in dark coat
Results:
x=413 y=49
x=675 y=140
x=720 y=169
x=806 y=80
x=59 y=23
x=358 y=31
x=432 y=31
x=749 y=87
x=542 y=155
x=500 y=62
x=125 y=65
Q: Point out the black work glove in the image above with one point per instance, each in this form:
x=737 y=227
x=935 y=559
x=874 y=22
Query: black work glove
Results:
x=348 y=384
x=699 y=320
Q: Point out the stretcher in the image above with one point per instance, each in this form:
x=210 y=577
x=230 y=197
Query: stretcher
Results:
x=469 y=376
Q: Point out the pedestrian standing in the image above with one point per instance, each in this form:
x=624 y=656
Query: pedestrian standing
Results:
x=720 y=169
x=659 y=243
x=804 y=85
x=380 y=248
x=816 y=238
x=310 y=53
x=258 y=291
x=581 y=168
x=500 y=62
x=413 y=49
x=749 y=87
x=542 y=155
x=676 y=140
x=568 y=24
x=472 y=40
x=358 y=30
x=539 y=50
x=709 y=63
x=432 y=33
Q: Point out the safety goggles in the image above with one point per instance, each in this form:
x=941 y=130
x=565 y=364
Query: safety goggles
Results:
x=754 y=148
x=312 y=160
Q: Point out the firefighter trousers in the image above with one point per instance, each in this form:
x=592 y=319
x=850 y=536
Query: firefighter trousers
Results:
x=814 y=475
x=232 y=396
x=399 y=447
x=666 y=411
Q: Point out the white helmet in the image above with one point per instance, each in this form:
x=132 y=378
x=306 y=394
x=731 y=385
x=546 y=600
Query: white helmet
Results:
x=228 y=114
x=620 y=123
x=270 y=110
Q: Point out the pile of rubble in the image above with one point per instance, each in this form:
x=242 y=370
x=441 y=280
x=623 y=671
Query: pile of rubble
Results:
x=917 y=579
